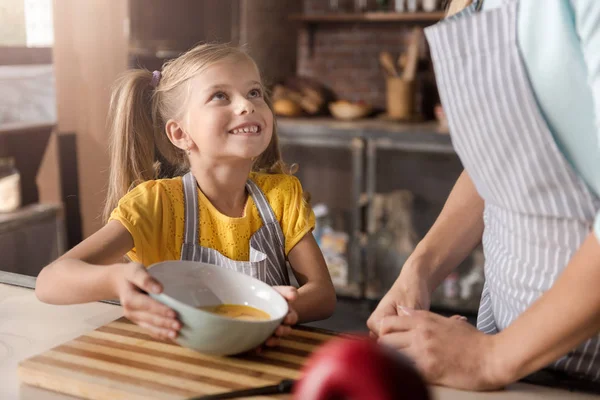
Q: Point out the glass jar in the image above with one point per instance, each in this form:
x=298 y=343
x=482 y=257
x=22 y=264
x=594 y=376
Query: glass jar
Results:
x=412 y=5
x=10 y=185
x=430 y=5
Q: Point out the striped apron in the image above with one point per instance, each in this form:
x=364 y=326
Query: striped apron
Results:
x=267 y=256
x=537 y=210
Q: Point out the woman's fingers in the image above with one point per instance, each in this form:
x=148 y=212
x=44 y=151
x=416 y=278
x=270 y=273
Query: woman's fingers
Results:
x=395 y=324
x=385 y=309
x=397 y=340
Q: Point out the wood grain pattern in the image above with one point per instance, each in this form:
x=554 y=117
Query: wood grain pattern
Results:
x=120 y=361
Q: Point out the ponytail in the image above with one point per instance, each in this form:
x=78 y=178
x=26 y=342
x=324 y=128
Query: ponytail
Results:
x=132 y=132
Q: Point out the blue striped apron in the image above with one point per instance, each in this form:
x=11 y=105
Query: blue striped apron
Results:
x=267 y=255
x=538 y=211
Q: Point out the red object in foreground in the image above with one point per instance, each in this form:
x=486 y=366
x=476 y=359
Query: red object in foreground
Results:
x=359 y=369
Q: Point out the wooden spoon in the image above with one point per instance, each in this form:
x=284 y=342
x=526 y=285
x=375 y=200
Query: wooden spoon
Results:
x=412 y=55
x=402 y=60
x=387 y=62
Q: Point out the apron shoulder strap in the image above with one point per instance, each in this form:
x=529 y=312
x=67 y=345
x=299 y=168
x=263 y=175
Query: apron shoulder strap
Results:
x=264 y=208
x=190 y=196
x=190 y=191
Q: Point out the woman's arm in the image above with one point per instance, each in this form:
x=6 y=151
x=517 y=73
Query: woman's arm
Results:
x=316 y=295
x=453 y=236
x=453 y=353
x=569 y=312
x=561 y=319
x=457 y=230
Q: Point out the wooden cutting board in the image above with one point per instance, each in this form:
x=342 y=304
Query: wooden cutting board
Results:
x=119 y=361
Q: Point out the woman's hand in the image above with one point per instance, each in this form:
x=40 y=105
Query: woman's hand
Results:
x=160 y=321
x=289 y=293
x=410 y=290
x=447 y=351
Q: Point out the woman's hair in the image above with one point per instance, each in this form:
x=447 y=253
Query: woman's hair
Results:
x=454 y=6
x=139 y=109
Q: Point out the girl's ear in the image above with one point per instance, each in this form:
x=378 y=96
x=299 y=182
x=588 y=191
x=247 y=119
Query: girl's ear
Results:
x=177 y=135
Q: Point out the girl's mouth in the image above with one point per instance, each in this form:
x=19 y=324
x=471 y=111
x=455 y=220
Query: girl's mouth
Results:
x=248 y=130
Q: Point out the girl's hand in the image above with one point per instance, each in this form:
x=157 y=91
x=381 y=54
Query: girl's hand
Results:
x=290 y=293
x=160 y=321
x=447 y=351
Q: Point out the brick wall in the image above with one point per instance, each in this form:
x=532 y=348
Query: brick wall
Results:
x=345 y=56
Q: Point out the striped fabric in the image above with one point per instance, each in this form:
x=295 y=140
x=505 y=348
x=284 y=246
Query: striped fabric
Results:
x=537 y=210
x=267 y=256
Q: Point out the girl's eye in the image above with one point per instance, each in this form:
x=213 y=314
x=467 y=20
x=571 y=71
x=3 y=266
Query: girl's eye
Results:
x=219 y=96
x=255 y=93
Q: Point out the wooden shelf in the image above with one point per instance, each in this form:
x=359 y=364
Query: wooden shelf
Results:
x=369 y=17
x=311 y=21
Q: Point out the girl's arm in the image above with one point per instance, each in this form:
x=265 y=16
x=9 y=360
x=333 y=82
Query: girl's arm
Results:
x=316 y=295
x=91 y=271
x=86 y=272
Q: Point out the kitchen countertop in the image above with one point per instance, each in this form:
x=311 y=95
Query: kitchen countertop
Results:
x=29 y=327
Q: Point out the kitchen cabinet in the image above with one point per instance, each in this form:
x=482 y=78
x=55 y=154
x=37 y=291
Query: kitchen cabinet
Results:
x=348 y=164
x=31 y=238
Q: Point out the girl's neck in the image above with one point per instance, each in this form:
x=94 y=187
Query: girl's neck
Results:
x=224 y=185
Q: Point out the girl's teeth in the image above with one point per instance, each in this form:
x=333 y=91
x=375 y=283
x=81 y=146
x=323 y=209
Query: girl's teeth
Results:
x=247 y=129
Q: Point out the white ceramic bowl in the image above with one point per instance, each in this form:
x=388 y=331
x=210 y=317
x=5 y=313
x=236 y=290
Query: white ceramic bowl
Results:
x=189 y=284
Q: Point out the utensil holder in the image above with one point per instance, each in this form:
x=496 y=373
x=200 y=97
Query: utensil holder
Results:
x=400 y=96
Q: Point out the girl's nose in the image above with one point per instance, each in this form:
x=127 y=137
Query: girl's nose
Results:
x=245 y=107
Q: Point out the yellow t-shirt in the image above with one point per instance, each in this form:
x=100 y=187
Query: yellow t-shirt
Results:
x=154 y=215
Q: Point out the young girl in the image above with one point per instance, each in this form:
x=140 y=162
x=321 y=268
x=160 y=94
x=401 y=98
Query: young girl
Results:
x=206 y=112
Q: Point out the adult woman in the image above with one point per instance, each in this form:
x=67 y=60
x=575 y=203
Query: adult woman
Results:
x=520 y=82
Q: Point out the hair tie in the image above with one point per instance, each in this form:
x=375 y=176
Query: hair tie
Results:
x=155 y=79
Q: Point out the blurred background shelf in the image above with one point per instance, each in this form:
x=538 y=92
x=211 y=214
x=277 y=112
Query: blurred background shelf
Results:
x=369 y=17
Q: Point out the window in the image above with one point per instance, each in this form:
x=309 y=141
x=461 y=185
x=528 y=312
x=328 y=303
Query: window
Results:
x=38 y=23
x=26 y=23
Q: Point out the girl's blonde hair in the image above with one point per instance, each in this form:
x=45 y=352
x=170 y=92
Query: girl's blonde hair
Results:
x=139 y=147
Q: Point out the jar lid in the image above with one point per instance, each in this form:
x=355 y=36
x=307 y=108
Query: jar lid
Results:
x=7 y=162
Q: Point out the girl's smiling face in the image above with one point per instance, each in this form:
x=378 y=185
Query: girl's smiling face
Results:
x=227 y=116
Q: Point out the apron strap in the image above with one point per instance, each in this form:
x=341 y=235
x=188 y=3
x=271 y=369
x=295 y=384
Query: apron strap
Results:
x=191 y=234
x=190 y=237
x=264 y=209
